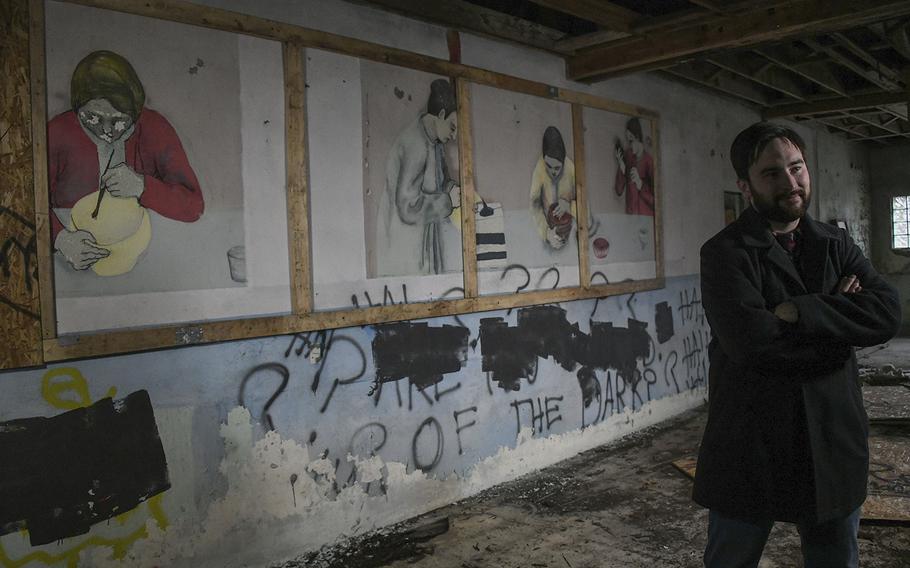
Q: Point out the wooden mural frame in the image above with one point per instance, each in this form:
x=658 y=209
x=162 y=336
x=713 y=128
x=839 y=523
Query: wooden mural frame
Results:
x=295 y=39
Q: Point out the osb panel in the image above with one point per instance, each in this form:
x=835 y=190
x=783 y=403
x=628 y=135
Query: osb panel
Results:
x=20 y=331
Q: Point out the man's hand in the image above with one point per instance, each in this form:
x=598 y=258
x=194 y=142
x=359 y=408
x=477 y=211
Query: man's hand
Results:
x=619 y=159
x=849 y=285
x=787 y=312
x=78 y=248
x=121 y=181
x=554 y=239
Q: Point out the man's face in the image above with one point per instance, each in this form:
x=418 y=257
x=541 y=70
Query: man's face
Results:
x=104 y=121
x=446 y=128
x=778 y=186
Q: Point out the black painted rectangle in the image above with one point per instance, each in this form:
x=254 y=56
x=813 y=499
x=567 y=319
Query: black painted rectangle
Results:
x=491 y=238
x=61 y=475
x=491 y=255
x=420 y=352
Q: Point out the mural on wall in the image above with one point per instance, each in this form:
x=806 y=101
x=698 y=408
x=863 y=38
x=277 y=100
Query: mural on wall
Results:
x=110 y=159
x=519 y=139
x=621 y=195
x=635 y=173
x=341 y=431
x=419 y=193
x=165 y=170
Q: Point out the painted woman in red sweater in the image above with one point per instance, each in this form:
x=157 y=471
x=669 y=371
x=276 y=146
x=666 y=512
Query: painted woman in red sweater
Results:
x=635 y=176
x=109 y=141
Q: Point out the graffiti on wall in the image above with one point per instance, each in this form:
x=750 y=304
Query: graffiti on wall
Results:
x=95 y=462
x=18 y=247
x=357 y=412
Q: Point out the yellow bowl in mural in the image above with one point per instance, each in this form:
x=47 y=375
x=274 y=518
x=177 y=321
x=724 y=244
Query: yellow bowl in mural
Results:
x=118 y=217
x=122 y=227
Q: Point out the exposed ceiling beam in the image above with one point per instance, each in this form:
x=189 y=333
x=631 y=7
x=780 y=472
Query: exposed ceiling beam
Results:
x=819 y=74
x=874 y=124
x=857 y=135
x=898 y=36
x=839 y=104
x=461 y=15
x=879 y=138
x=720 y=81
x=874 y=63
x=874 y=77
x=575 y=43
x=687 y=17
x=761 y=25
x=769 y=77
x=709 y=5
x=671 y=21
x=601 y=12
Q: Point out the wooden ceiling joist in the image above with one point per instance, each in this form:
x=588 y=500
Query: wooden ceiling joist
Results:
x=601 y=12
x=818 y=73
x=766 y=76
x=874 y=76
x=839 y=104
x=653 y=51
x=719 y=79
x=465 y=16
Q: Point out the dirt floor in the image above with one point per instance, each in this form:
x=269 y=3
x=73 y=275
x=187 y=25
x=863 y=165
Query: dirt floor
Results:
x=620 y=505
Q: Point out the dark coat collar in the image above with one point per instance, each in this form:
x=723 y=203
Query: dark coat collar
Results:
x=813 y=248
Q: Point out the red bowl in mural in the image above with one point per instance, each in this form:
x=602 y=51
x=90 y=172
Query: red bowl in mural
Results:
x=562 y=223
x=601 y=247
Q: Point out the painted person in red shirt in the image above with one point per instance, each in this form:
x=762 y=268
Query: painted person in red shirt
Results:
x=109 y=141
x=635 y=176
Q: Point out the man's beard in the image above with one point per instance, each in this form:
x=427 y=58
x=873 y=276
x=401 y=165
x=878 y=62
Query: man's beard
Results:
x=776 y=209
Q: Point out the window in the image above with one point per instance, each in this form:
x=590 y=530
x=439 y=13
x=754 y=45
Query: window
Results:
x=900 y=222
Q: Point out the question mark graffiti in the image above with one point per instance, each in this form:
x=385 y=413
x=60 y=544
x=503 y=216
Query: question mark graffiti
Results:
x=285 y=374
x=510 y=268
x=544 y=275
x=597 y=300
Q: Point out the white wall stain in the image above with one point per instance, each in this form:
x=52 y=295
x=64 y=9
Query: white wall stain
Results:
x=257 y=522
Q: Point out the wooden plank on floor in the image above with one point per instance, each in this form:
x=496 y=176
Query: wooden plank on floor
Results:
x=686 y=465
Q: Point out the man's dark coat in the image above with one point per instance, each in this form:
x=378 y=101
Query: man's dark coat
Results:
x=787 y=396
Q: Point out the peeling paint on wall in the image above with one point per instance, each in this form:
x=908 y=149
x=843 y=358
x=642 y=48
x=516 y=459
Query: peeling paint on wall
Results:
x=261 y=505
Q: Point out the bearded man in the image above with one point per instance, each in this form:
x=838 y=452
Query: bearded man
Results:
x=787 y=299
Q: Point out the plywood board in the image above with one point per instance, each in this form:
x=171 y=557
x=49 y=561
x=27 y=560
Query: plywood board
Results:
x=20 y=326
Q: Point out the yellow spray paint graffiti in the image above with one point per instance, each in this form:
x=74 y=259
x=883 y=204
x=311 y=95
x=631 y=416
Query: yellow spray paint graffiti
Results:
x=66 y=388
x=54 y=391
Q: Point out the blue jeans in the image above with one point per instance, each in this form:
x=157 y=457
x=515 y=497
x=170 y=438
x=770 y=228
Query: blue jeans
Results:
x=738 y=543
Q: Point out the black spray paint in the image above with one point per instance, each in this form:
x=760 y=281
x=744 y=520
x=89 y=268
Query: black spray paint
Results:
x=418 y=352
x=510 y=353
x=663 y=322
x=61 y=475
